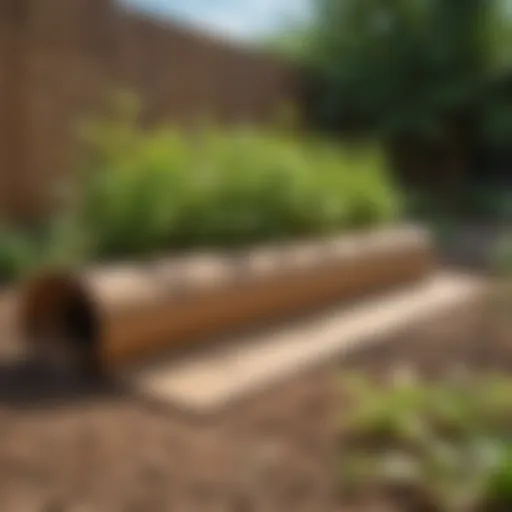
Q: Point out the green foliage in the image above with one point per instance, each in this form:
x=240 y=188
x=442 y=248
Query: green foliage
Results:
x=16 y=254
x=147 y=191
x=24 y=251
x=142 y=192
x=498 y=491
x=502 y=257
x=491 y=202
x=293 y=44
x=496 y=121
x=448 y=442
x=405 y=67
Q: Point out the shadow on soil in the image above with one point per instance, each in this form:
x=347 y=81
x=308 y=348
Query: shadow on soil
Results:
x=27 y=385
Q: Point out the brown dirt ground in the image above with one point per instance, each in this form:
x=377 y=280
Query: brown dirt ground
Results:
x=81 y=448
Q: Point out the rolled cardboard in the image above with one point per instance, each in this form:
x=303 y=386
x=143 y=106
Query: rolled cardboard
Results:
x=112 y=316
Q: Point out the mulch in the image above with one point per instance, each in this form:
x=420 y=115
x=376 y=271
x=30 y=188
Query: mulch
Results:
x=80 y=448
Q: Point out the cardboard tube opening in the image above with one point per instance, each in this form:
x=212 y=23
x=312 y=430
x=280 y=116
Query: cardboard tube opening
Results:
x=61 y=323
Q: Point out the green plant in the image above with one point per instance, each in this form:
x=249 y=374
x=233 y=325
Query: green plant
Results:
x=502 y=257
x=445 y=444
x=490 y=202
x=369 y=56
x=16 y=254
x=146 y=191
x=153 y=190
x=498 y=489
x=25 y=250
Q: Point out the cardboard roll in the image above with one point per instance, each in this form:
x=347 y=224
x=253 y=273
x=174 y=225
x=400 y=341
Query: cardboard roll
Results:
x=104 y=318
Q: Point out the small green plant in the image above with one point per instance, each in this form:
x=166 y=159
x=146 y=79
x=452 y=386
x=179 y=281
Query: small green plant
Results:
x=498 y=489
x=16 y=254
x=25 y=250
x=443 y=446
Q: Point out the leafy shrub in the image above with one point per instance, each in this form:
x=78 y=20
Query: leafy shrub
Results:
x=146 y=191
x=442 y=447
x=16 y=254
x=24 y=250
x=152 y=190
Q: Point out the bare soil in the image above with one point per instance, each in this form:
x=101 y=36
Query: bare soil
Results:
x=91 y=448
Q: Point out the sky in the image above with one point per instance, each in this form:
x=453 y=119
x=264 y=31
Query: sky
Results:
x=237 y=19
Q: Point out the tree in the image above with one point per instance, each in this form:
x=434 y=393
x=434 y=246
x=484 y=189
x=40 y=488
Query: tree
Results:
x=401 y=65
x=419 y=74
